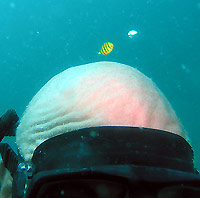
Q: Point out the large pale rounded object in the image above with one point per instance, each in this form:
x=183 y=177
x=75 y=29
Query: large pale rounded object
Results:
x=96 y=94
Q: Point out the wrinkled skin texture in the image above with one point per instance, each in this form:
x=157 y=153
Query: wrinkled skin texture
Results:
x=96 y=94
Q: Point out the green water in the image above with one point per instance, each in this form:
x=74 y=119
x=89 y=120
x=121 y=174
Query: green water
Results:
x=40 y=38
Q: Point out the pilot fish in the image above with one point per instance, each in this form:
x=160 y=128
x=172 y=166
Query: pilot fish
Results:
x=106 y=48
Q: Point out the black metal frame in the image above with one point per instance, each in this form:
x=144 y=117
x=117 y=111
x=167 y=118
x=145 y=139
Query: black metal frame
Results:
x=136 y=155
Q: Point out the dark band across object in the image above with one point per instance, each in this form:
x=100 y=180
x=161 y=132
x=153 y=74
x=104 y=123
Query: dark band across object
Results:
x=127 y=155
x=97 y=146
x=131 y=156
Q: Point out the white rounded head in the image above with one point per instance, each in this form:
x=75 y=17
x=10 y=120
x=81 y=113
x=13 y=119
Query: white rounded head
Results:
x=96 y=94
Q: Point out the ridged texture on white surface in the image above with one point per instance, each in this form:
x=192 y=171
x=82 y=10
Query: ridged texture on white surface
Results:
x=96 y=94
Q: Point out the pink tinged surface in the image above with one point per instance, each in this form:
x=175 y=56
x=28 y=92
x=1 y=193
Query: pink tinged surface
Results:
x=96 y=94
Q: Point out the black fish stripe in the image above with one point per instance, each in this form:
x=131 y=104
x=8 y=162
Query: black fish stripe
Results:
x=104 y=51
x=106 y=48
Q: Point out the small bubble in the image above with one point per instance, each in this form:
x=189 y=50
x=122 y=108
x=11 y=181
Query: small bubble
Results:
x=185 y=68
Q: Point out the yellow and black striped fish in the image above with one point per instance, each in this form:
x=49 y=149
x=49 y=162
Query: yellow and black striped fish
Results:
x=106 y=48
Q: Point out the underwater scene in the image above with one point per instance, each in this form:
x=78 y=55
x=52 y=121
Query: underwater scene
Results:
x=161 y=38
